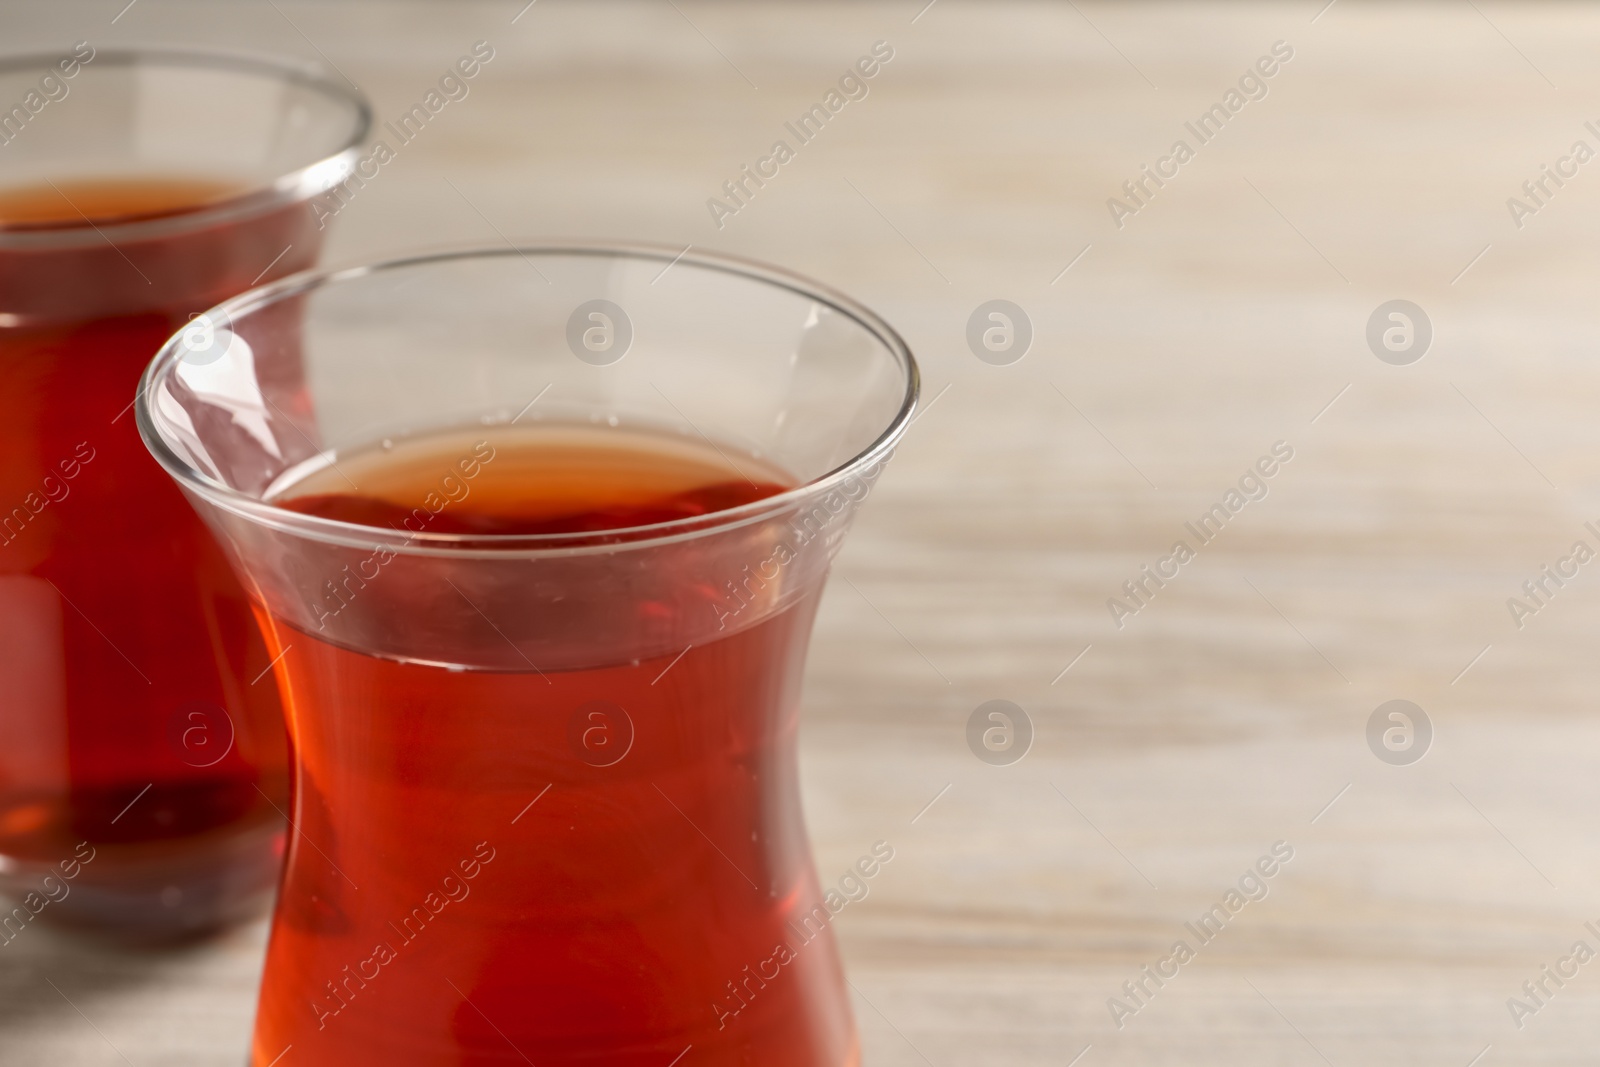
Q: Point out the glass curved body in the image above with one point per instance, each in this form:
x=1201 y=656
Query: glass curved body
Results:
x=140 y=748
x=546 y=793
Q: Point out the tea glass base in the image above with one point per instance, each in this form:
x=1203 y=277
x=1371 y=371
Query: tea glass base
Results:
x=149 y=893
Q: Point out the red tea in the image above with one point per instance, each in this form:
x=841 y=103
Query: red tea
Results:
x=557 y=866
x=135 y=712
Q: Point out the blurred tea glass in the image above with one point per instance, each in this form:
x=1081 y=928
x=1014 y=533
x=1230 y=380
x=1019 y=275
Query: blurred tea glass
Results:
x=537 y=536
x=141 y=736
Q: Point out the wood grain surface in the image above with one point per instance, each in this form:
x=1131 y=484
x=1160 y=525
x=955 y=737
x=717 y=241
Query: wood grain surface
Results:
x=1226 y=314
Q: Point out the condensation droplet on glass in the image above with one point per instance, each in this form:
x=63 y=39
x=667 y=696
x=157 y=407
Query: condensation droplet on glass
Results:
x=612 y=420
x=388 y=443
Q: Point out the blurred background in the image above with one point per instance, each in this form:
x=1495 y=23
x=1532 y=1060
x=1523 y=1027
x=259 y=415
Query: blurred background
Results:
x=1167 y=334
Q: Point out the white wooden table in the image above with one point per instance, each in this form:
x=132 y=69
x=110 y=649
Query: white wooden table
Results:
x=1226 y=314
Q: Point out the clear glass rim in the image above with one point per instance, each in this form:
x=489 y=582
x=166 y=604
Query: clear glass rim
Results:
x=299 y=184
x=501 y=546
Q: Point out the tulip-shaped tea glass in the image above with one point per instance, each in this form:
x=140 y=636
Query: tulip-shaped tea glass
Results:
x=142 y=757
x=536 y=537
